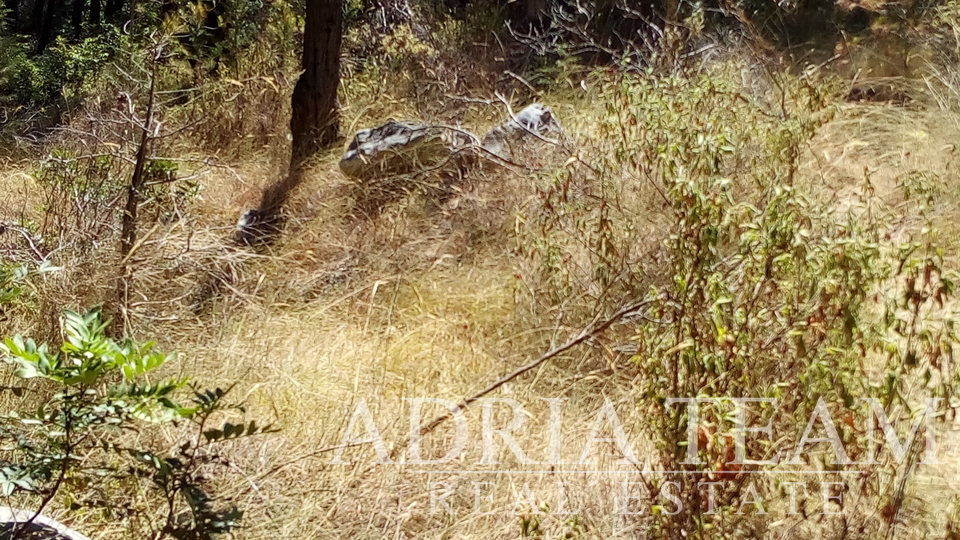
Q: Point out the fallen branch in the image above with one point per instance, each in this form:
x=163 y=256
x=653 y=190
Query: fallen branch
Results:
x=594 y=328
x=590 y=331
x=4 y=226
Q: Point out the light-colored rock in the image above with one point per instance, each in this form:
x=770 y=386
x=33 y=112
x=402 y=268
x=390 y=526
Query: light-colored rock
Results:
x=506 y=139
x=398 y=148
x=41 y=528
x=246 y=232
x=401 y=148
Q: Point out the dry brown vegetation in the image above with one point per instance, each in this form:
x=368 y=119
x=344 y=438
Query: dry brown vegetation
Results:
x=429 y=298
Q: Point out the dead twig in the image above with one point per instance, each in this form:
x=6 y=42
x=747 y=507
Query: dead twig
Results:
x=590 y=331
x=596 y=327
x=26 y=236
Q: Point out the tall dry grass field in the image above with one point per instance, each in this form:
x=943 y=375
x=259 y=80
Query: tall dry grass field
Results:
x=440 y=298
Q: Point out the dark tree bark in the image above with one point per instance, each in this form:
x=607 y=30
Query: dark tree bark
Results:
x=95 y=11
x=79 y=6
x=315 y=123
x=36 y=18
x=13 y=15
x=603 y=23
x=113 y=8
x=168 y=9
x=526 y=15
x=48 y=27
x=128 y=224
x=671 y=11
x=214 y=33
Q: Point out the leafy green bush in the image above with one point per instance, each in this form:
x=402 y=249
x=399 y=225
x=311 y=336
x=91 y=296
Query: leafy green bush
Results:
x=18 y=287
x=690 y=193
x=591 y=237
x=82 y=431
x=80 y=194
x=47 y=84
x=212 y=34
x=14 y=280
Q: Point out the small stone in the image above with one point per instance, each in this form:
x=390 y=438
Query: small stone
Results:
x=41 y=528
x=246 y=230
x=505 y=139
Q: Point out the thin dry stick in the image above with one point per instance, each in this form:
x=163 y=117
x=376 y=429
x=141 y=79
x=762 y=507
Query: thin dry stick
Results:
x=593 y=329
x=294 y=461
x=26 y=236
x=523 y=81
x=590 y=331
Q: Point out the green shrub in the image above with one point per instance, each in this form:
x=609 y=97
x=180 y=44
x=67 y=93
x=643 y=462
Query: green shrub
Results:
x=15 y=278
x=36 y=90
x=689 y=193
x=83 y=430
x=81 y=195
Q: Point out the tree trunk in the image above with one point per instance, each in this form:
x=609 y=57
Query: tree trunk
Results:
x=671 y=12
x=36 y=18
x=48 y=26
x=602 y=24
x=113 y=8
x=13 y=15
x=78 y=8
x=675 y=33
x=534 y=10
x=128 y=223
x=525 y=15
x=315 y=123
x=95 y=10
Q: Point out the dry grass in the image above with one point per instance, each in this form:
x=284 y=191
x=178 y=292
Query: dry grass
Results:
x=423 y=300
